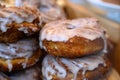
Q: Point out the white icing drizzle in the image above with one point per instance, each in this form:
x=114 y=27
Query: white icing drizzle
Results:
x=51 y=66
x=48 y=71
x=50 y=11
x=51 y=14
x=27 y=2
x=9 y=65
x=63 y=30
x=18 y=15
x=25 y=63
x=23 y=48
x=105 y=44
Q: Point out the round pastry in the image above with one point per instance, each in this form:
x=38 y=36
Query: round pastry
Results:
x=33 y=73
x=73 y=38
x=49 y=9
x=19 y=55
x=17 y=22
x=85 y=68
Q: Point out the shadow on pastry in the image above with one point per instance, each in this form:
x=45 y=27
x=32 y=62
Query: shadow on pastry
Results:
x=3 y=76
x=33 y=73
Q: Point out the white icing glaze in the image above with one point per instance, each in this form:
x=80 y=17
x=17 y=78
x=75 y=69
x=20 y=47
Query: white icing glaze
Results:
x=9 y=65
x=28 y=74
x=105 y=44
x=18 y=15
x=27 y=2
x=63 y=30
x=50 y=11
x=51 y=66
x=23 y=48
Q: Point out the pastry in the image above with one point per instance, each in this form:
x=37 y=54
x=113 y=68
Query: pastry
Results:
x=73 y=38
x=85 y=68
x=49 y=9
x=20 y=55
x=17 y=22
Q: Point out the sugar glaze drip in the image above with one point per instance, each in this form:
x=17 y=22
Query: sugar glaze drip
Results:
x=52 y=67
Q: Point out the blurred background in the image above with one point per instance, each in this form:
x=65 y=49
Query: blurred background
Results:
x=106 y=8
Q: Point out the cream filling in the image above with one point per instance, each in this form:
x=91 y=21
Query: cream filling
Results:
x=52 y=67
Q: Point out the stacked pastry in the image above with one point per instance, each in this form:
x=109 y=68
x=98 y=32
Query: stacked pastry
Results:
x=49 y=9
x=76 y=50
x=19 y=27
x=18 y=48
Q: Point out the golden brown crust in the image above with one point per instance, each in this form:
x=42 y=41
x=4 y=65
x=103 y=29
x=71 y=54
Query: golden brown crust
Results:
x=74 y=47
x=13 y=34
x=17 y=64
x=89 y=75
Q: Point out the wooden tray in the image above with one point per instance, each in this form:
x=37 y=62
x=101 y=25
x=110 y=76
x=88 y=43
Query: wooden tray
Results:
x=113 y=75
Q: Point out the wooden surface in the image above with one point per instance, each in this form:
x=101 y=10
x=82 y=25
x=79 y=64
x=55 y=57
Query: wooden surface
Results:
x=116 y=57
x=113 y=75
x=113 y=29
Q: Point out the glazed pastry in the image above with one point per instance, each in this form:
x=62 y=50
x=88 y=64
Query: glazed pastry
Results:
x=19 y=55
x=73 y=38
x=85 y=68
x=33 y=73
x=50 y=11
x=17 y=22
